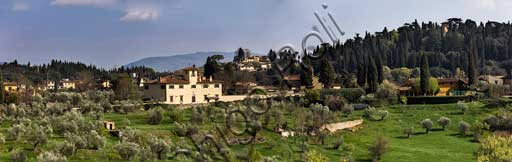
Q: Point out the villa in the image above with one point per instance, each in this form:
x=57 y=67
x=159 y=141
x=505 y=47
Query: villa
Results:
x=192 y=89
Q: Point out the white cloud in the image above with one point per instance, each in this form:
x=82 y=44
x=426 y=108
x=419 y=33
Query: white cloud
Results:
x=485 y=4
x=140 y=14
x=20 y=6
x=83 y=2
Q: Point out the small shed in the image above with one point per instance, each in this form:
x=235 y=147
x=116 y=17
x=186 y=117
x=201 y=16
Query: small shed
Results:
x=109 y=125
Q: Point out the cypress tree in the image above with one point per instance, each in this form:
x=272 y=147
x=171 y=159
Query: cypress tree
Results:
x=380 y=70
x=372 y=76
x=424 y=74
x=2 y=89
x=472 y=73
x=326 y=73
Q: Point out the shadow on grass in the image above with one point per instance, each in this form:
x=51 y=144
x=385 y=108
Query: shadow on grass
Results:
x=420 y=133
x=364 y=160
x=402 y=137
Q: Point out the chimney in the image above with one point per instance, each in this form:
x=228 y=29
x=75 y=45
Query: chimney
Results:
x=211 y=79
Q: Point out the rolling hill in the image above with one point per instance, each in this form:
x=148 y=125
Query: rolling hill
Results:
x=175 y=62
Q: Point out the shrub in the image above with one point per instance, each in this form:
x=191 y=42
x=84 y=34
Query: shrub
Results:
x=335 y=103
x=155 y=116
x=145 y=154
x=494 y=148
x=350 y=94
x=126 y=122
x=492 y=121
x=18 y=155
x=314 y=156
x=312 y=96
x=408 y=131
x=427 y=124
x=443 y=122
x=127 y=150
x=51 y=157
x=386 y=90
x=197 y=116
x=347 y=109
x=378 y=148
x=464 y=128
x=462 y=107
x=383 y=114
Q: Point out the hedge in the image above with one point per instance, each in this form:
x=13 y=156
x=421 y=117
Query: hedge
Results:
x=436 y=99
x=351 y=94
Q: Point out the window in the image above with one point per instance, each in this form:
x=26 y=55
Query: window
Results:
x=171 y=86
x=162 y=86
x=206 y=97
x=171 y=98
x=181 y=86
x=217 y=95
x=193 y=98
x=205 y=85
x=181 y=98
x=193 y=86
x=145 y=87
x=217 y=85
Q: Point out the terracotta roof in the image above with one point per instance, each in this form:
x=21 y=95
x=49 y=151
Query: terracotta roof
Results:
x=292 y=77
x=450 y=80
x=190 y=68
x=10 y=84
x=171 y=80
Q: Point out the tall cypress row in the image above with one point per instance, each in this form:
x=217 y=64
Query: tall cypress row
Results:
x=372 y=76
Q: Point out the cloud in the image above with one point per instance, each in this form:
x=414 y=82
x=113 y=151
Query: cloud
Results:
x=140 y=14
x=485 y=4
x=99 y=3
x=20 y=6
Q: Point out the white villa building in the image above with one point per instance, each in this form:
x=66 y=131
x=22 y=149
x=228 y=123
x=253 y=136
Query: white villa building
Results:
x=192 y=89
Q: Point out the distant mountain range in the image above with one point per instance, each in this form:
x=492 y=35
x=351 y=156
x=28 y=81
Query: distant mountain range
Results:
x=175 y=62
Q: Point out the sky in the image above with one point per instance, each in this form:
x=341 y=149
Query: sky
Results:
x=111 y=33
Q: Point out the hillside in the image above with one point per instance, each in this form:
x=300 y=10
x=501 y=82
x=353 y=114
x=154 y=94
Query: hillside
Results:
x=172 y=63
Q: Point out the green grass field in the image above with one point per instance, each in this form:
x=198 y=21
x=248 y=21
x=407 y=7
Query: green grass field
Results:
x=436 y=146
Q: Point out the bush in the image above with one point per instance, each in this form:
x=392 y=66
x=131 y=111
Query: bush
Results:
x=378 y=148
x=386 y=90
x=462 y=107
x=347 y=109
x=464 y=128
x=443 y=122
x=383 y=114
x=427 y=124
x=314 y=156
x=51 y=157
x=94 y=140
x=492 y=121
x=127 y=150
x=18 y=155
x=312 y=96
x=408 y=131
x=494 y=148
x=66 y=148
x=350 y=94
x=335 y=103
x=155 y=116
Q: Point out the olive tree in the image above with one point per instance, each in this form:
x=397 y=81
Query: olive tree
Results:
x=66 y=148
x=159 y=147
x=464 y=128
x=18 y=155
x=127 y=150
x=443 y=122
x=427 y=124
x=462 y=107
x=94 y=140
x=408 y=131
x=378 y=148
x=37 y=135
x=51 y=157
x=155 y=115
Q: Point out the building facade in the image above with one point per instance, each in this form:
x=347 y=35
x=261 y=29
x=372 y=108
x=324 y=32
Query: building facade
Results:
x=192 y=89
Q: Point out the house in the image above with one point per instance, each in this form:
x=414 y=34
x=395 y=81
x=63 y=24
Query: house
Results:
x=451 y=87
x=491 y=79
x=293 y=81
x=11 y=87
x=106 y=84
x=191 y=89
x=67 y=84
x=244 y=87
x=254 y=63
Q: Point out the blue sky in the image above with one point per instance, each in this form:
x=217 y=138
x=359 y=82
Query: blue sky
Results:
x=115 y=32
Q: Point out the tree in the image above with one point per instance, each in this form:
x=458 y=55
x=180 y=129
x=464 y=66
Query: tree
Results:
x=159 y=147
x=464 y=128
x=2 y=89
x=378 y=148
x=306 y=76
x=380 y=69
x=427 y=124
x=124 y=88
x=94 y=140
x=127 y=150
x=240 y=54
x=462 y=107
x=18 y=155
x=472 y=71
x=443 y=122
x=48 y=156
x=408 y=131
x=326 y=73
x=372 y=77
x=386 y=90
x=155 y=115
x=212 y=65
x=424 y=75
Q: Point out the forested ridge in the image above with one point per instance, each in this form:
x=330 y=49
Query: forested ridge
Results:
x=448 y=46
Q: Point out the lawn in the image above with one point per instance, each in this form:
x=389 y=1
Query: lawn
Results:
x=438 y=145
